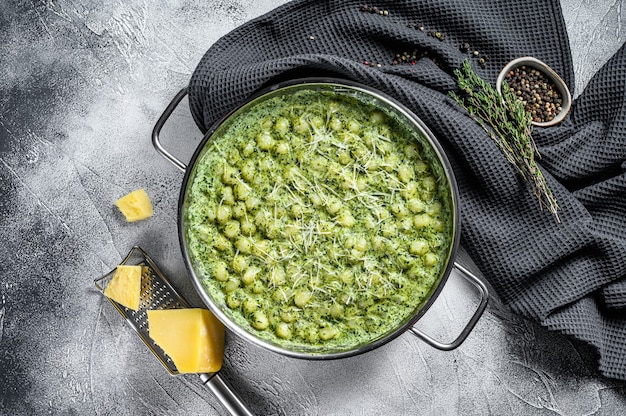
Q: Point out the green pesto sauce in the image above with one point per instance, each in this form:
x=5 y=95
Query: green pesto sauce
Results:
x=318 y=221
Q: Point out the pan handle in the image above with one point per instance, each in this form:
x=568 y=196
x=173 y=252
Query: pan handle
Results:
x=225 y=394
x=484 y=298
x=156 y=142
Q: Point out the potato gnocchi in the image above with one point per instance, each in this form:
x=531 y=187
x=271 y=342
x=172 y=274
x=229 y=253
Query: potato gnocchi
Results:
x=317 y=220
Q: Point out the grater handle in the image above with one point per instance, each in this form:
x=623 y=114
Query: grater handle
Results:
x=225 y=394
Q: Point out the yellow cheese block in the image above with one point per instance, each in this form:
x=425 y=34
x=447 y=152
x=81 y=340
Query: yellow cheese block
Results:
x=125 y=286
x=135 y=206
x=193 y=338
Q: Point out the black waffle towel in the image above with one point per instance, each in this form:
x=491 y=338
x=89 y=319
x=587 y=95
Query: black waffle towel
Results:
x=570 y=276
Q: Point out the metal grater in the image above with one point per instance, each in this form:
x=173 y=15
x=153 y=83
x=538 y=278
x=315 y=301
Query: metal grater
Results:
x=157 y=293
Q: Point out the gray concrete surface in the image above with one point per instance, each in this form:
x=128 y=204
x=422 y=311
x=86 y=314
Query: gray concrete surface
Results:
x=81 y=85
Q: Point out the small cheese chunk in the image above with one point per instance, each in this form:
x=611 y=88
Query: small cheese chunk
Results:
x=125 y=286
x=193 y=338
x=135 y=206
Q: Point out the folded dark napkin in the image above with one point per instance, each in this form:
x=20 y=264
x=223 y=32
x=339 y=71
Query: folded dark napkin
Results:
x=569 y=276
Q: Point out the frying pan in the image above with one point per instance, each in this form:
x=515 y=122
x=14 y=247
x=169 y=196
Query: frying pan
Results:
x=385 y=103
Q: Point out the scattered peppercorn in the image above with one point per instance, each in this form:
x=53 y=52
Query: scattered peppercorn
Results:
x=536 y=91
x=373 y=10
x=409 y=58
x=415 y=26
x=371 y=64
x=413 y=57
x=438 y=35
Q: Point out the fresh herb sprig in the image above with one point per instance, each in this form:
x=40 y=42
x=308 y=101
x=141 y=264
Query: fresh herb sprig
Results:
x=509 y=125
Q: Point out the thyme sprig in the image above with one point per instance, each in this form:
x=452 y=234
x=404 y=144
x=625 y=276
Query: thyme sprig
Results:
x=509 y=125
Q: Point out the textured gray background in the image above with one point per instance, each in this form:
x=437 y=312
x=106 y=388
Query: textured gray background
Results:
x=81 y=85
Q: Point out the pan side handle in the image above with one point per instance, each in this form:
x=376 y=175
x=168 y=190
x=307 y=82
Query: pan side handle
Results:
x=484 y=298
x=156 y=141
x=225 y=394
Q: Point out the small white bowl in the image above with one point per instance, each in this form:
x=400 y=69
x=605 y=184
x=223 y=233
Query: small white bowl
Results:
x=561 y=86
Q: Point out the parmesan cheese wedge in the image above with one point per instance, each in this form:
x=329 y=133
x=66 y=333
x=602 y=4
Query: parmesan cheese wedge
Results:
x=125 y=286
x=135 y=206
x=193 y=338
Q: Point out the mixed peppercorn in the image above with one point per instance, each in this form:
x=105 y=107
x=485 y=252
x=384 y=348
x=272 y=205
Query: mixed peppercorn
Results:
x=411 y=58
x=539 y=94
x=374 y=10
